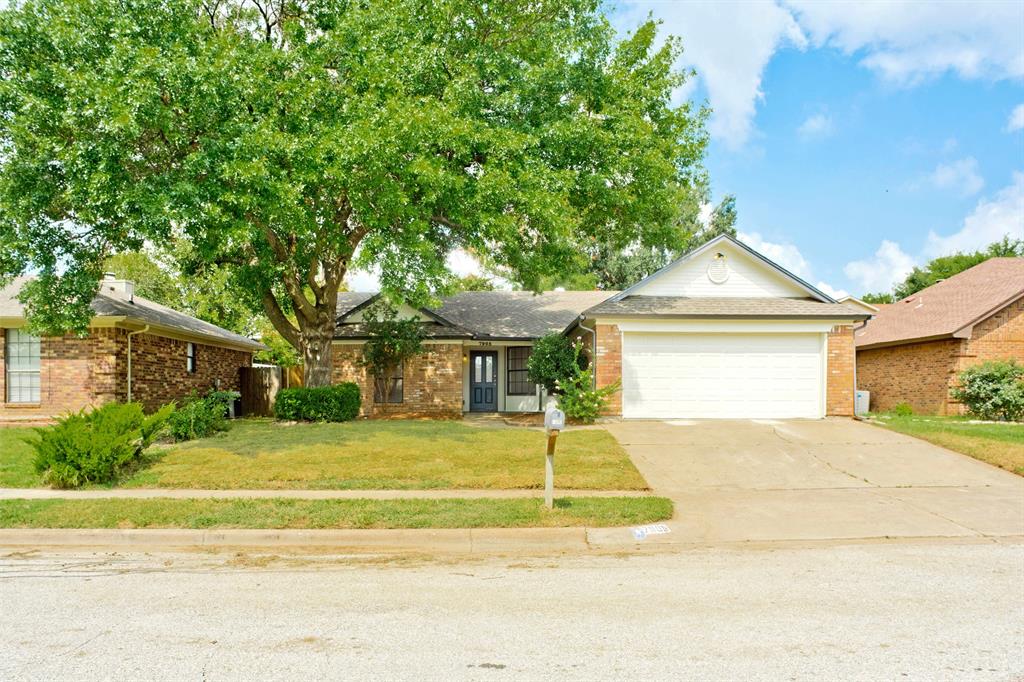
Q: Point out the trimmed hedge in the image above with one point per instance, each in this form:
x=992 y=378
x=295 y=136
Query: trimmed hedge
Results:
x=337 y=403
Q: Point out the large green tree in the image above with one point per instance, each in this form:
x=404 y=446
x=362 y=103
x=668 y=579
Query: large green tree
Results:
x=290 y=140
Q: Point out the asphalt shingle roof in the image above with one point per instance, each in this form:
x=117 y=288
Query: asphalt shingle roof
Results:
x=137 y=309
x=948 y=307
x=683 y=307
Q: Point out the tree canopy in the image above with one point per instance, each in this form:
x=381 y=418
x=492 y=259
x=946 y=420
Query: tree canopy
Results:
x=290 y=140
x=944 y=267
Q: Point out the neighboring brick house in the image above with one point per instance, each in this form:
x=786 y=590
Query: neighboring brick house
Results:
x=912 y=351
x=135 y=349
x=722 y=332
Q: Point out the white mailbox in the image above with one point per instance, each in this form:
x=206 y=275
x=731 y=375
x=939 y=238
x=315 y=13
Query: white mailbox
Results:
x=554 y=420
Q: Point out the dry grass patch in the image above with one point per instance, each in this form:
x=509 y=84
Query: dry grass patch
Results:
x=366 y=455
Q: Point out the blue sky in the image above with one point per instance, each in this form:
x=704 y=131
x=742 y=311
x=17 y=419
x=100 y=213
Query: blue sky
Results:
x=859 y=139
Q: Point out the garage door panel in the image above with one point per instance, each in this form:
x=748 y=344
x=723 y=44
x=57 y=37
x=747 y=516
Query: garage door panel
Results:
x=721 y=375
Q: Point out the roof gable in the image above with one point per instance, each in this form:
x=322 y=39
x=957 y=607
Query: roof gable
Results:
x=724 y=268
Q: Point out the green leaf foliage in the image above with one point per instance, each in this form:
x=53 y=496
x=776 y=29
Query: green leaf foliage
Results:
x=392 y=340
x=97 y=446
x=337 y=403
x=200 y=416
x=552 y=362
x=291 y=144
x=993 y=390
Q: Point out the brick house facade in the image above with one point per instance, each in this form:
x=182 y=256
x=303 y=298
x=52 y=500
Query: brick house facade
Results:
x=431 y=382
x=78 y=372
x=922 y=374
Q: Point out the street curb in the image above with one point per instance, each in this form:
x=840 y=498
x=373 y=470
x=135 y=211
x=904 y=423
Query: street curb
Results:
x=426 y=540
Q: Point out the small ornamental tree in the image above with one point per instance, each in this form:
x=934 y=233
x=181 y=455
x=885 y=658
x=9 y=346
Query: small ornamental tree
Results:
x=392 y=341
x=552 y=362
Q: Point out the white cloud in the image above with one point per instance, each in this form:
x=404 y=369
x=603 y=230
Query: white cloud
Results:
x=786 y=255
x=889 y=265
x=729 y=49
x=816 y=126
x=904 y=42
x=834 y=293
x=1016 y=120
x=907 y=42
x=961 y=176
x=990 y=221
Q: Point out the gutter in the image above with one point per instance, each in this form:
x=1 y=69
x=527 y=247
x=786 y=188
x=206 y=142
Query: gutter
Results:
x=130 y=335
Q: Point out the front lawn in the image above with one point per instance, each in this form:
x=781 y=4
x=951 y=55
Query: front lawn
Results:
x=999 y=444
x=289 y=513
x=367 y=455
x=16 y=458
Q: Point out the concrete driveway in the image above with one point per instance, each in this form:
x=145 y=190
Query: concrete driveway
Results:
x=763 y=480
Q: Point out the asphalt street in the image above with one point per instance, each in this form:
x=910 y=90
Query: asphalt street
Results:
x=925 y=610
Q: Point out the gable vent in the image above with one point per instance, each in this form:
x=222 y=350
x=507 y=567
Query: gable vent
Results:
x=718 y=269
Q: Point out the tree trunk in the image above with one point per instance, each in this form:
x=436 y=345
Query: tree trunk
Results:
x=316 y=356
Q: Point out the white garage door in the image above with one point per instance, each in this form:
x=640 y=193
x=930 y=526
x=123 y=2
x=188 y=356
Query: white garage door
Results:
x=740 y=376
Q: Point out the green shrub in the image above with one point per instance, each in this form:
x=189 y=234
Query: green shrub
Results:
x=902 y=410
x=200 y=417
x=97 y=446
x=338 y=403
x=581 y=401
x=993 y=390
x=553 y=361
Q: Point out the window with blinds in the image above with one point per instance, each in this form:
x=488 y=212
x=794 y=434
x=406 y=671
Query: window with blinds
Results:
x=518 y=378
x=21 y=361
x=395 y=388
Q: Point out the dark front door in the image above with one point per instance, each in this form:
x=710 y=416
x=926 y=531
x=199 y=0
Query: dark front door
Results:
x=483 y=381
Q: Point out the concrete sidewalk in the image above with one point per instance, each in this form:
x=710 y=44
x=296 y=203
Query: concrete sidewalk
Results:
x=190 y=493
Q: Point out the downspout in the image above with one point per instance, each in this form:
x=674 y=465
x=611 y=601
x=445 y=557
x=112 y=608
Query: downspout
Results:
x=593 y=358
x=130 y=335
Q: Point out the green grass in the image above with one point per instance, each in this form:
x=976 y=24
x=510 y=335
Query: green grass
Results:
x=285 y=513
x=367 y=455
x=999 y=444
x=16 y=459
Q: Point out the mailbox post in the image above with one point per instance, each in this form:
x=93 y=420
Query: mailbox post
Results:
x=554 y=421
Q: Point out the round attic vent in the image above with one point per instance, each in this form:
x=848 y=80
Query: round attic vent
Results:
x=718 y=269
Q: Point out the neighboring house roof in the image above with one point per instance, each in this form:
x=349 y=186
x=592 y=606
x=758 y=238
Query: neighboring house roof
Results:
x=853 y=300
x=726 y=307
x=948 y=309
x=140 y=311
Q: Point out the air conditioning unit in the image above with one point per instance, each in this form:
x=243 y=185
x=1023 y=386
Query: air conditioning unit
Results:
x=861 y=402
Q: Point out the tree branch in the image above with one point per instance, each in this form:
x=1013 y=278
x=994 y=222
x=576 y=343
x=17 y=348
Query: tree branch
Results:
x=280 y=321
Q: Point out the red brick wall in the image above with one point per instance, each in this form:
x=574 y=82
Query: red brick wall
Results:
x=160 y=374
x=922 y=374
x=608 y=358
x=432 y=382
x=915 y=373
x=77 y=372
x=839 y=389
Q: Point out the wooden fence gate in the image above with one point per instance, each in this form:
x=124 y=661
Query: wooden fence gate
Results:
x=259 y=387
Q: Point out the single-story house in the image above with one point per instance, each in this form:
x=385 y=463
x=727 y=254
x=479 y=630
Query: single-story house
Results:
x=135 y=350
x=721 y=332
x=913 y=350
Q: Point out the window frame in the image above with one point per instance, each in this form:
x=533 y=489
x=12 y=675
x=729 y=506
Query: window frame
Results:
x=191 y=353
x=25 y=339
x=509 y=370
x=397 y=385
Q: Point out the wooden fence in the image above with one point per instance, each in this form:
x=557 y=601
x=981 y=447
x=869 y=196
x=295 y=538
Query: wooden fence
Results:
x=259 y=387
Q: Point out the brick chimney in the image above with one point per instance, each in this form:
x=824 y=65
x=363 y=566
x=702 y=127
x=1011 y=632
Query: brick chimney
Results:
x=122 y=288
